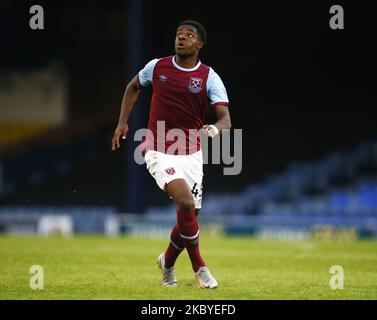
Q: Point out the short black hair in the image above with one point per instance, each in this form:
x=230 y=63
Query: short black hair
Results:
x=202 y=32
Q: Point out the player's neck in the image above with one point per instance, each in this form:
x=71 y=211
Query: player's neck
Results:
x=187 y=62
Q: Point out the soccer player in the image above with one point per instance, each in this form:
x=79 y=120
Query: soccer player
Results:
x=183 y=89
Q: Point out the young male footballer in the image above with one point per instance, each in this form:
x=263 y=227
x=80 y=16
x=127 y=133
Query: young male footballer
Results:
x=183 y=90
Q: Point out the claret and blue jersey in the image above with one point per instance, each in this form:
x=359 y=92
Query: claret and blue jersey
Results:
x=181 y=98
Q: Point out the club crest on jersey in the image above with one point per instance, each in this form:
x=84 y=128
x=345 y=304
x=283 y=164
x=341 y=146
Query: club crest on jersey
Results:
x=170 y=171
x=195 y=85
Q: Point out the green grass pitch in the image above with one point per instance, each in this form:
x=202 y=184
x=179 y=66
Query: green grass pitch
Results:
x=97 y=267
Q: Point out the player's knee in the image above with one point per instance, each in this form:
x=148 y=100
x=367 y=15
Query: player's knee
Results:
x=186 y=204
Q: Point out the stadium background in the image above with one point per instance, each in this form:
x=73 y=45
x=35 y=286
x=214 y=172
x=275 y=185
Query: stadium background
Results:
x=303 y=94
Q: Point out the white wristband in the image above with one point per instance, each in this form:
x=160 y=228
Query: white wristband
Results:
x=212 y=130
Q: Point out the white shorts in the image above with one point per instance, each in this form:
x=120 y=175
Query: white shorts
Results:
x=165 y=168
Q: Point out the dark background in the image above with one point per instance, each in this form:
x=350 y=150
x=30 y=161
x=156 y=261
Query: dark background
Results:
x=298 y=89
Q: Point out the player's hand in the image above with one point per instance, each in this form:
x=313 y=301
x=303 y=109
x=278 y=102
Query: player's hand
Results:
x=211 y=130
x=120 y=131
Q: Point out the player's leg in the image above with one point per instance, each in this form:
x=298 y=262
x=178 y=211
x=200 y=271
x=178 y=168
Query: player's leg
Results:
x=188 y=229
x=188 y=226
x=162 y=168
x=176 y=245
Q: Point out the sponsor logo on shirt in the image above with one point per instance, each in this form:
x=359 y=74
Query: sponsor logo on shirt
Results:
x=195 y=85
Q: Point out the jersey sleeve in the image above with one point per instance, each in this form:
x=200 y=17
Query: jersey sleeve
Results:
x=145 y=75
x=216 y=91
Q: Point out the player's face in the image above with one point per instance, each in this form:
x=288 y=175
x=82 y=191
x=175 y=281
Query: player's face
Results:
x=187 y=41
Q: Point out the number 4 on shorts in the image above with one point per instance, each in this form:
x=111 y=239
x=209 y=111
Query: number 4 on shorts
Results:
x=195 y=190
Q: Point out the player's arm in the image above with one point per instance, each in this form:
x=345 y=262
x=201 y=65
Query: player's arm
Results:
x=223 y=121
x=223 y=118
x=218 y=98
x=129 y=98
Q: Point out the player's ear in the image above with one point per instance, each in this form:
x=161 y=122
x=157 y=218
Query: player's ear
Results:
x=200 y=44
